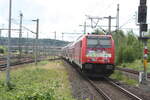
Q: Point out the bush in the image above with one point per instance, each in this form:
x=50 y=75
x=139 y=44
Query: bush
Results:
x=119 y=56
x=2 y=49
x=127 y=47
x=129 y=55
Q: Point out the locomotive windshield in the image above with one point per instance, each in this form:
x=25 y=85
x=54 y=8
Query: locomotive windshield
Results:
x=99 y=42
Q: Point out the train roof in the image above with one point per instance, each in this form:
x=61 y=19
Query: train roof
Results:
x=98 y=35
x=67 y=45
x=95 y=35
x=82 y=36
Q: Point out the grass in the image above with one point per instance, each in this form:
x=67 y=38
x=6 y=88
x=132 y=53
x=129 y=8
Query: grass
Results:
x=137 y=65
x=47 y=81
x=125 y=79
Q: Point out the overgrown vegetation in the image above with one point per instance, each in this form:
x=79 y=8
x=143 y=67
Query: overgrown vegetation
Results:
x=2 y=50
x=121 y=77
x=136 y=65
x=128 y=47
x=47 y=81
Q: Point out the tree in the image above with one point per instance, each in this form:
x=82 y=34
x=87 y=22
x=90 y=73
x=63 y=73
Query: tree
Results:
x=128 y=54
x=97 y=31
x=127 y=47
x=2 y=50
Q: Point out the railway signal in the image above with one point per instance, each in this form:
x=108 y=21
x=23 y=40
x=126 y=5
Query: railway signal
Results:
x=145 y=57
x=143 y=27
x=143 y=76
x=142 y=13
x=142 y=18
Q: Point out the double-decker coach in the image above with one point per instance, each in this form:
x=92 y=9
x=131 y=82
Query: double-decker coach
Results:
x=94 y=54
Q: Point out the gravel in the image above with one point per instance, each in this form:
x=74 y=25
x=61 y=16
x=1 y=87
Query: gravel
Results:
x=143 y=91
x=81 y=89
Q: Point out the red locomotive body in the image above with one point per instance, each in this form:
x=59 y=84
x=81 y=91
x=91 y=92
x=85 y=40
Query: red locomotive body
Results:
x=94 y=54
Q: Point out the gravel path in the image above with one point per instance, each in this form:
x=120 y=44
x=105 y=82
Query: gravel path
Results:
x=81 y=89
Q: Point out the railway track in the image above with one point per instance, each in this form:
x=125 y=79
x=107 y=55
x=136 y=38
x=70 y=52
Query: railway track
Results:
x=3 y=66
x=111 y=91
x=2 y=58
x=109 y=85
x=131 y=71
x=23 y=61
x=128 y=95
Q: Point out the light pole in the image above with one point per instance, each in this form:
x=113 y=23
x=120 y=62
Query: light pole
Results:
x=8 y=46
x=20 y=35
x=109 y=23
x=117 y=17
x=36 y=40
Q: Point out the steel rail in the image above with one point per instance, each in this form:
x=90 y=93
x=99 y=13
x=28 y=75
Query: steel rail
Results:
x=99 y=91
x=131 y=71
x=131 y=95
x=3 y=66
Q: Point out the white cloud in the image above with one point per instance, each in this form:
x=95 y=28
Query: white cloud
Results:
x=66 y=15
x=2 y=20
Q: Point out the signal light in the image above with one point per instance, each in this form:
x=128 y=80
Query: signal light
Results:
x=145 y=50
x=142 y=14
x=143 y=27
x=142 y=2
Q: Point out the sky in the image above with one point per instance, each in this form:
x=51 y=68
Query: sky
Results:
x=67 y=15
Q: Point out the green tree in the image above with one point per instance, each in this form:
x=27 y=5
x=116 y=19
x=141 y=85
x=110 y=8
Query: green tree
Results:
x=127 y=47
x=2 y=50
x=119 y=39
x=128 y=54
x=98 y=31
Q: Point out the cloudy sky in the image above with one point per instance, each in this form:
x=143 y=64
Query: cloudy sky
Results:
x=67 y=15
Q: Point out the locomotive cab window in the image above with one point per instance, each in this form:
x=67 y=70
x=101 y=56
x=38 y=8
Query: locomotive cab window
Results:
x=99 y=42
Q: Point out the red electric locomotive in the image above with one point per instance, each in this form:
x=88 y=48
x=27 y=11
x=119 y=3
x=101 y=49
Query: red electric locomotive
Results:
x=94 y=54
